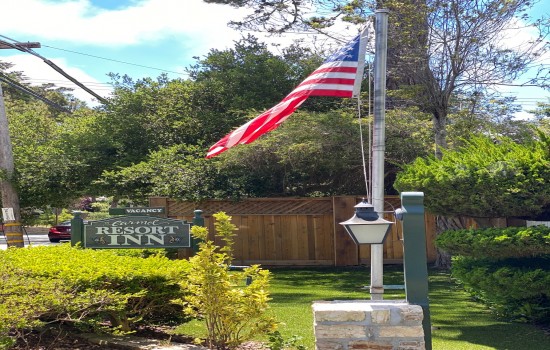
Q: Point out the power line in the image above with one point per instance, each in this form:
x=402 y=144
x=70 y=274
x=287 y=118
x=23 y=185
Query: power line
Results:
x=18 y=86
x=118 y=61
x=65 y=83
x=55 y=67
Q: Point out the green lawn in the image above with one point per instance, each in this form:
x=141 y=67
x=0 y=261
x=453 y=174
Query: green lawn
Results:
x=458 y=322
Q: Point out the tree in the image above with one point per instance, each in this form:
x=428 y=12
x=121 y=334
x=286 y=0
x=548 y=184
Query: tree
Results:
x=157 y=131
x=542 y=114
x=485 y=178
x=249 y=79
x=280 y=16
x=311 y=154
x=178 y=171
x=52 y=166
x=437 y=49
x=490 y=115
x=460 y=49
x=250 y=76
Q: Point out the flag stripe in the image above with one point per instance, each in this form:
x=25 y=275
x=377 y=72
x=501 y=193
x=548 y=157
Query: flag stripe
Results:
x=323 y=83
x=345 y=78
x=274 y=118
x=336 y=77
x=351 y=70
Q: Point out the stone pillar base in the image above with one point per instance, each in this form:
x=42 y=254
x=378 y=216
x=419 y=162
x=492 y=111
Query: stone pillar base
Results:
x=368 y=325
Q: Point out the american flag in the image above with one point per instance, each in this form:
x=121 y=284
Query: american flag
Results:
x=339 y=76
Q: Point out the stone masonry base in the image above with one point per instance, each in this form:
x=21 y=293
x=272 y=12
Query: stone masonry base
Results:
x=368 y=325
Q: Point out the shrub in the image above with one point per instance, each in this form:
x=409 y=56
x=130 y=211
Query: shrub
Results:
x=87 y=287
x=497 y=243
x=483 y=179
x=232 y=314
x=517 y=289
x=506 y=268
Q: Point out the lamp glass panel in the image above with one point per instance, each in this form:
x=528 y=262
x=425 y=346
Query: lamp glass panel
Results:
x=372 y=234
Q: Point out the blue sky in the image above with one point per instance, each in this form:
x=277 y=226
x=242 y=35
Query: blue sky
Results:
x=87 y=38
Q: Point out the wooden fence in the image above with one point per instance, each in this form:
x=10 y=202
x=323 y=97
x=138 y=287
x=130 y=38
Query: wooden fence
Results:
x=296 y=231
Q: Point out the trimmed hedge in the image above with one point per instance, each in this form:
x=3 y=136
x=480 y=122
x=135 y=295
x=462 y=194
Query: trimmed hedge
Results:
x=506 y=268
x=517 y=289
x=484 y=178
x=87 y=287
x=497 y=243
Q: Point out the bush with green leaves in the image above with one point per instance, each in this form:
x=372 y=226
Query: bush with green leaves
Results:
x=506 y=268
x=484 y=178
x=91 y=288
x=278 y=342
x=497 y=243
x=516 y=289
x=233 y=313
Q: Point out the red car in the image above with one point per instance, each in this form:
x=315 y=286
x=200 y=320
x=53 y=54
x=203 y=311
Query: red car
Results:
x=61 y=231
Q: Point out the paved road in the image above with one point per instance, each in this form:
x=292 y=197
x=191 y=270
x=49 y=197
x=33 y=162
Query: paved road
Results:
x=32 y=237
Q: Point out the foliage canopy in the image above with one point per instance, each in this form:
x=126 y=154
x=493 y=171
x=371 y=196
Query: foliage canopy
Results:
x=483 y=178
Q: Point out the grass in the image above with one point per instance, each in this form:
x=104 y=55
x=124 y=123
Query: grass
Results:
x=459 y=323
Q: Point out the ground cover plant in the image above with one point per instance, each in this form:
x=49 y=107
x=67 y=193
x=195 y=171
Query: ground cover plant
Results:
x=459 y=322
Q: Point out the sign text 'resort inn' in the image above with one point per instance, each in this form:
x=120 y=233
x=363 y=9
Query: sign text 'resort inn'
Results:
x=137 y=231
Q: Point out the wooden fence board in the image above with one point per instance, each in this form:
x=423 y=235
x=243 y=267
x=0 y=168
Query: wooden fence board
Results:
x=278 y=238
x=238 y=245
x=269 y=238
x=346 y=251
x=328 y=240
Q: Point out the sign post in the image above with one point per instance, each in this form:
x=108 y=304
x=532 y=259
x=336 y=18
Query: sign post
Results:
x=76 y=228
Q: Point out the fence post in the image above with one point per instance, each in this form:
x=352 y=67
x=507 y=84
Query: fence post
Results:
x=77 y=229
x=160 y=202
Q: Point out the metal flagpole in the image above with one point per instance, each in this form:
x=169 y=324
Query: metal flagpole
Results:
x=378 y=148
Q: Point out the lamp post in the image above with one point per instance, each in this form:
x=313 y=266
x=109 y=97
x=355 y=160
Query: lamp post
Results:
x=367 y=227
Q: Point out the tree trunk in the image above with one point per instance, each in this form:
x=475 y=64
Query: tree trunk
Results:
x=440 y=131
x=443 y=223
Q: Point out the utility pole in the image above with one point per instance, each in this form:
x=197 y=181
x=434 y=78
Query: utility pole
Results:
x=10 y=198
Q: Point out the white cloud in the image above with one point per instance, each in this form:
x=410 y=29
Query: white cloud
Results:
x=79 y=21
x=78 y=25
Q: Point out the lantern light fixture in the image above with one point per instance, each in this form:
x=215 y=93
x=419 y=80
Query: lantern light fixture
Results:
x=366 y=226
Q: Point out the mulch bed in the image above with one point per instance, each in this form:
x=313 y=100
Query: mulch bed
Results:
x=64 y=337
x=49 y=339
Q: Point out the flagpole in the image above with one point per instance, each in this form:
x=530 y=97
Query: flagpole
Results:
x=378 y=148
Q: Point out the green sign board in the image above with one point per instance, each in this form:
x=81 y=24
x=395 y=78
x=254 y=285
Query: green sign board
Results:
x=137 y=211
x=137 y=232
